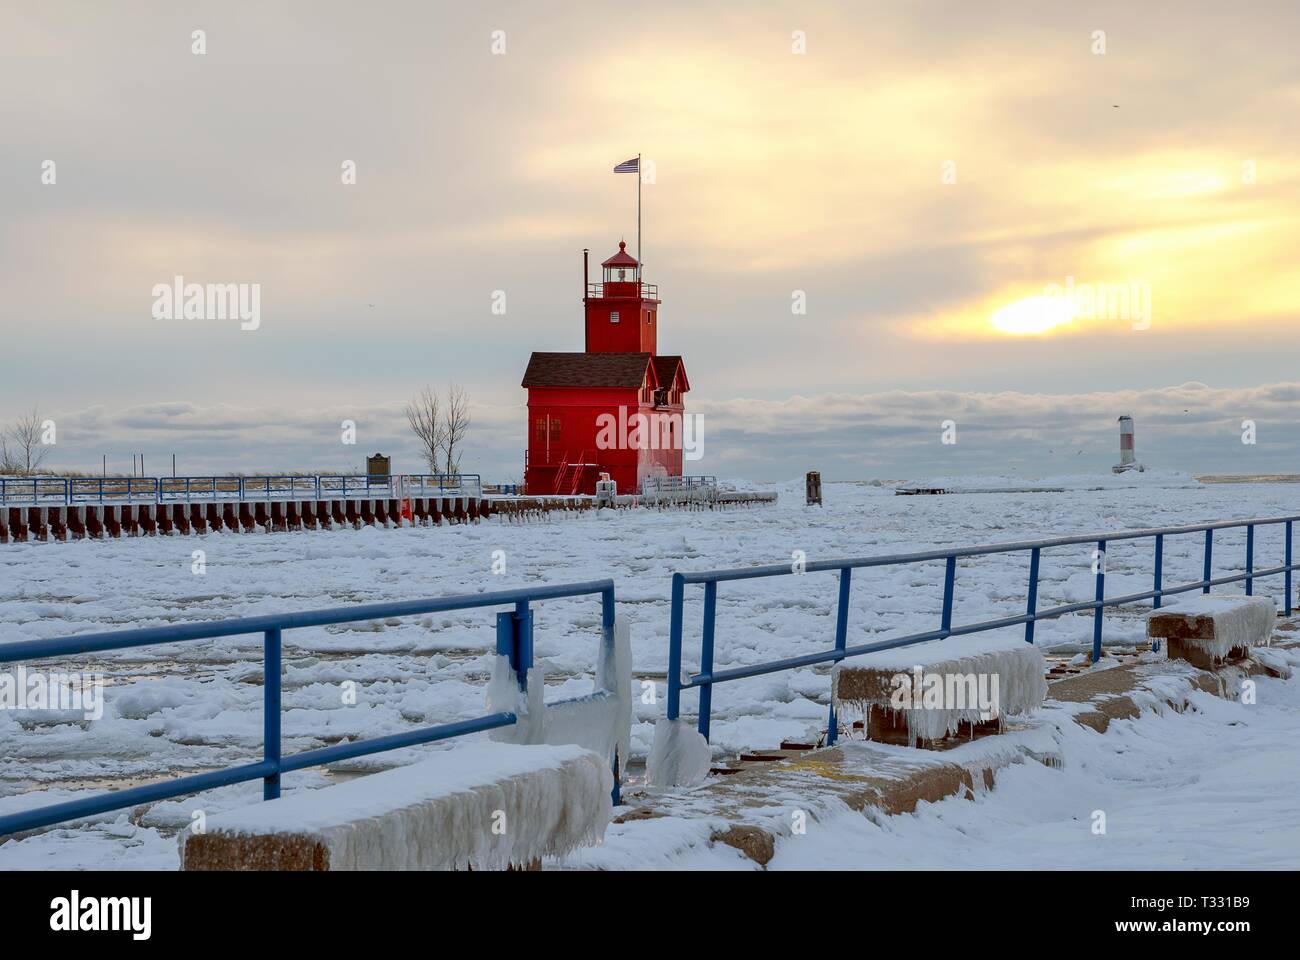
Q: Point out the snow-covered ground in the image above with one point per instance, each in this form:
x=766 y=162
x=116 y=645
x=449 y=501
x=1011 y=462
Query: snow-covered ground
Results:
x=191 y=707
x=1208 y=789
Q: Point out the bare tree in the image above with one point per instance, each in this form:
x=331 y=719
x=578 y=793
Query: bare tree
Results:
x=9 y=464
x=28 y=450
x=424 y=414
x=455 y=423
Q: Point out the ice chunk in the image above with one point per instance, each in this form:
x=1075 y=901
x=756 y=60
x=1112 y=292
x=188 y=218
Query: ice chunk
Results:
x=601 y=722
x=680 y=756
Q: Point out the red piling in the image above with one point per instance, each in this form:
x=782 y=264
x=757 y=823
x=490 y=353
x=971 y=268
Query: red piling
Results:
x=17 y=524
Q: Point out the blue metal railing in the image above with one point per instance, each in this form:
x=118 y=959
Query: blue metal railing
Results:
x=708 y=676
x=37 y=491
x=77 y=491
x=112 y=490
x=514 y=640
x=442 y=484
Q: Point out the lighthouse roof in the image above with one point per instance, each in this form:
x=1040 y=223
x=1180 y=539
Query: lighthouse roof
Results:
x=622 y=258
x=667 y=369
x=590 y=370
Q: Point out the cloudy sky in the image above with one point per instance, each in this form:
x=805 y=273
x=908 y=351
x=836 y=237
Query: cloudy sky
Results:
x=928 y=178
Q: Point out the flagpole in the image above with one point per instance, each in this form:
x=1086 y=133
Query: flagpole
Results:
x=638 y=224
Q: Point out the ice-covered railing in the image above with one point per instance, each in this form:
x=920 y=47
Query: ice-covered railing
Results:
x=77 y=491
x=679 y=488
x=705 y=679
x=599 y=719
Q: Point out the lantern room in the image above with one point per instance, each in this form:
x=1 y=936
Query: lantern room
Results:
x=621 y=310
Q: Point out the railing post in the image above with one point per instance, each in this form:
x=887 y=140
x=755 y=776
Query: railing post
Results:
x=1209 y=555
x=675 y=649
x=1098 y=616
x=607 y=617
x=524 y=641
x=706 y=655
x=1158 y=586
x=271 y=711
x=841 y=641
x=1287 y=603
x=515 y=640
x=1031 y=606
x=949 y=580
x=1250 y=559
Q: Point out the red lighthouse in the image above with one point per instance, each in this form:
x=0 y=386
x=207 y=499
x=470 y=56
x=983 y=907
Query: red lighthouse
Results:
x=615 y=408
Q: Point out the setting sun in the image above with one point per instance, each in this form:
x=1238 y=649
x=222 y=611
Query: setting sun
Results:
x=1033 y=315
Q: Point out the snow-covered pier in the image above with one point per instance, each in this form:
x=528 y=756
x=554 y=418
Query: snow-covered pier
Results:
x=194 y=707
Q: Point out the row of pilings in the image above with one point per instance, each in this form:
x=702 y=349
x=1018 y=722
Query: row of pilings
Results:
x=98 y=521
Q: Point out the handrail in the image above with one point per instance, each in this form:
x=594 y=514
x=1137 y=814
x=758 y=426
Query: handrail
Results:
x=81 y=491
x=596 y=290
x=707 y=676
x=669 y=488
x=514 y=640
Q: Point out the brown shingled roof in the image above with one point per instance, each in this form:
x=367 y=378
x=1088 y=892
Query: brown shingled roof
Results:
x=588 y=370
x=666 y=370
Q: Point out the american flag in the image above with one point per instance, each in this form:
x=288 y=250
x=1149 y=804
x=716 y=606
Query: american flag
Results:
x=629 y=166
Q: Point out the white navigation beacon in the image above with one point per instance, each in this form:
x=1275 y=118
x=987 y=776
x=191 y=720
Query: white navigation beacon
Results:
x=1127 y=460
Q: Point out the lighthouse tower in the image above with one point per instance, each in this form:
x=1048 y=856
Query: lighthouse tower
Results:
x=616 y=407
x=1127 y=453
x=622 y=312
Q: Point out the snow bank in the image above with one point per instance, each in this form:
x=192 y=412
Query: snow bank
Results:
x=1223 y=622
x=486 y=804
x=945 y=683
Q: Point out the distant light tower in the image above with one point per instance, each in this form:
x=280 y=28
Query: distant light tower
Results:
x=1126 y=453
